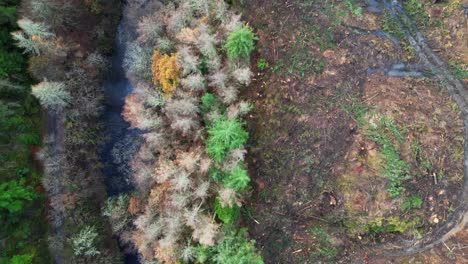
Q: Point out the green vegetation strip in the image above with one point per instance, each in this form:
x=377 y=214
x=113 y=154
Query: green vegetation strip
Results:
x=24 y=226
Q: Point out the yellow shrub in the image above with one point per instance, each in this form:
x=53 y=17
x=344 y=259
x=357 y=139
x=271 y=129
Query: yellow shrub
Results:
x=165 y=71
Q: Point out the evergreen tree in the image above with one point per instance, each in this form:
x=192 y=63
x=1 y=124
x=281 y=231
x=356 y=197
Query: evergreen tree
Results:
x=51 y=95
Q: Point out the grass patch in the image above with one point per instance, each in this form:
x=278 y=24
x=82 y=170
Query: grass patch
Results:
x=321 y=37
x=382 y=130
x=411 y=202
x=299 y=62
x=391 y=225
x=323 y=248
x=458 y=71
x=392 y=27
x=356 y=110
x=355 y=9
x=415 y=10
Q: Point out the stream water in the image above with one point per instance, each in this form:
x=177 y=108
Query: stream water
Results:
x=119 y=136
x=121 y=141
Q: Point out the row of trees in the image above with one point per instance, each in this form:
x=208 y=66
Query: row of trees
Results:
x=68 y=43
x=188 y=60
x=23 y=225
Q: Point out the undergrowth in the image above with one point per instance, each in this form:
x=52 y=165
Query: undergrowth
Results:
x=322 y=245
x=382 y=130
x=459 y=71
x=415 y=10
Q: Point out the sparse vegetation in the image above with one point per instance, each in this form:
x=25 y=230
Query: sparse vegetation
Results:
x=411 y=202
x=382 y=131
x=391 y=225
x=391 y=26
x=234 y=248
x=323 y=248
x=261 y=64
x=416 y=10
x=459 y=71
x=355 y=9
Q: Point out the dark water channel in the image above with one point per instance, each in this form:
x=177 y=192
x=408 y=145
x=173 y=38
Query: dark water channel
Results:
x=121 y=141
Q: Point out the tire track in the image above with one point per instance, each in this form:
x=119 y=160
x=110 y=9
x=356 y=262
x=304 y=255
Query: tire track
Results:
x=459 y=218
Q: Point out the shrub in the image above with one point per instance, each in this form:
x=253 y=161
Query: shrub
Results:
x=223 y=136
x=355 y=9
x=261 y=64
x=234 y=249
x=391 y=225
x=165 y=71
x=411 y=202
x=208 y=101
x=84 y=243
x=51 y=95
x=236 y=178
x=240 y=42
x=227 y=214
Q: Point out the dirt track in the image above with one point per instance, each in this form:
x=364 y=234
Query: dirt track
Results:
x=459 y=94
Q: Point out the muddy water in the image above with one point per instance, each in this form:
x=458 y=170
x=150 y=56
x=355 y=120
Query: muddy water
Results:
x=121 y=140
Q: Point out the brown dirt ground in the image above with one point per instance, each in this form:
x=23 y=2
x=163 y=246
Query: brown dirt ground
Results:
x=303 y=143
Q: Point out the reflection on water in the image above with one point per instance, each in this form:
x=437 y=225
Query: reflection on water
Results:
x=121 y=141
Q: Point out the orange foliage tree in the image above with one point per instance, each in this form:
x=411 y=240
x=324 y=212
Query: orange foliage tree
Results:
x=165 y=71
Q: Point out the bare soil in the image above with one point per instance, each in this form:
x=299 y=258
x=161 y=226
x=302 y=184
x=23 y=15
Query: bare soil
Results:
x=315 y=170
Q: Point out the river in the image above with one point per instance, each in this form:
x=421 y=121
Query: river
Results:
x=121 y=140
